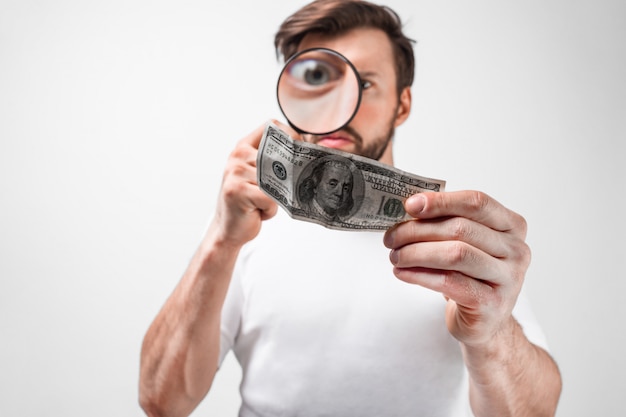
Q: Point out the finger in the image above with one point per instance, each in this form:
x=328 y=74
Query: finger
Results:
x=452 y=285
x=450 y=256
x=473 y=205
x=243 y=195
x=450 y=228
x=242 y=163
x=244 y=155
x=266 y=206
x=243 y=170
x=288 y=129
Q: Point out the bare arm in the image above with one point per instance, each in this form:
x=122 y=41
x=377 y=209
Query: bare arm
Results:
x=512 y=377
x=179 y=355
x=471 y=249
x=180 y=351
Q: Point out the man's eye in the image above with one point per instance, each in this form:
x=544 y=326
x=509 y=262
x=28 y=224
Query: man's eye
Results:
x=313 y=72
x=332 y=183
x=365 y=84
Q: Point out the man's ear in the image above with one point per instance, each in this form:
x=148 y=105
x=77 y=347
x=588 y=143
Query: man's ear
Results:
x=404 y=106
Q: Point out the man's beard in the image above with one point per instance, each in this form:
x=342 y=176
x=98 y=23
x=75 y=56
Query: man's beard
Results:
x=373 y=150
x=377 y=146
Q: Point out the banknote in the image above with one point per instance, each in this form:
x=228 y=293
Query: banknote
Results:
x=333 y=188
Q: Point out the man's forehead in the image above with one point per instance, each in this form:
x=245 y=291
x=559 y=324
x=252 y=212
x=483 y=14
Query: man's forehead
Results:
x=369 y=49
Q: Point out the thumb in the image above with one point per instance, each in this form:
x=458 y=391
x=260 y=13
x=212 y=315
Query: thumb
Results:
x=288 y=129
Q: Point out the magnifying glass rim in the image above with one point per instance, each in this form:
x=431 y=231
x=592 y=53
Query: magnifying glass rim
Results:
x=340 y=56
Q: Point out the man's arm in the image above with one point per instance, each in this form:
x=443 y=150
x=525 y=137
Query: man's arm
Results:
x=511 y=376
x=179 y=355
x=471 y=249
x=180 y=351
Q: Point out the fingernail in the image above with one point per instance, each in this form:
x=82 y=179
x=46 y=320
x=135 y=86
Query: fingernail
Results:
x=416 y=203
x=393 y=256
x=389 y=237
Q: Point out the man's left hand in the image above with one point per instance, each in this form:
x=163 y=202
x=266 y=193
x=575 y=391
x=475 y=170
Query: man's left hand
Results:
x=471 y=249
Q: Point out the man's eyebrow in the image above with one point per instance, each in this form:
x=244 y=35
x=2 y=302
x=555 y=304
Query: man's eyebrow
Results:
x=368 y=74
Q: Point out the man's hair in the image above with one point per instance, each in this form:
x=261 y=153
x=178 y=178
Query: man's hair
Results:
x=335 y=17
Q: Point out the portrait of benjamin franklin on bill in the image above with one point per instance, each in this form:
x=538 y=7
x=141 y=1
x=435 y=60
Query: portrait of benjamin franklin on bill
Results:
x=331 y=188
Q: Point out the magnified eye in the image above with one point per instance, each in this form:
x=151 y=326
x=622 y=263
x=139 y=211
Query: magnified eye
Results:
x=314 y=73
x=318 y=91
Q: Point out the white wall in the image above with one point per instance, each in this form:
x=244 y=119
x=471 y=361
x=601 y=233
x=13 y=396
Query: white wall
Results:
x=116 y=118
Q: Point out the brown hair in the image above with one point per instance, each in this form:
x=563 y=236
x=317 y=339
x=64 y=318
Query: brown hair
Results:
x=334 y=17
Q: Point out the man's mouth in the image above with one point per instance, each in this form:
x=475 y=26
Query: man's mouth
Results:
x=335 y=141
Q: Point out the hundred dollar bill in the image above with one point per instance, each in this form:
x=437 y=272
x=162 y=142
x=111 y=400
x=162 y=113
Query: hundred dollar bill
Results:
x=333 y=188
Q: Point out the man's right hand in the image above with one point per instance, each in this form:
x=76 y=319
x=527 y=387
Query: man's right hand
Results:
x=180 y=351
x=242 y=205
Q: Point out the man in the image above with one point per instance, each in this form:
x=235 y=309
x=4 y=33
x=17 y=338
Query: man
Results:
x=340 y=336
x=327 y=192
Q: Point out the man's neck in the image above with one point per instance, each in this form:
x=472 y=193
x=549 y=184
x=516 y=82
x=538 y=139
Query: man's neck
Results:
x=387 y=156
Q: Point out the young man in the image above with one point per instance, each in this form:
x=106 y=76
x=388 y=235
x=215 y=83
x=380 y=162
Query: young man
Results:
x=325 y=329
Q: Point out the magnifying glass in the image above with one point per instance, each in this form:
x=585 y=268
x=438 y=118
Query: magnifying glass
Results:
x=319 y=91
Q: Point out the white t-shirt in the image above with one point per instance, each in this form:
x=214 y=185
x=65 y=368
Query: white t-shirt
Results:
x=322 y=327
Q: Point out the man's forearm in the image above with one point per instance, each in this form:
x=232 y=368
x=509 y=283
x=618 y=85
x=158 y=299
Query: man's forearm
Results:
x=180 y=350
x=512 y=377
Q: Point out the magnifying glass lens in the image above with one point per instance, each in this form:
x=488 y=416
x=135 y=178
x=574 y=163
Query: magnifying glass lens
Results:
x=319 y=91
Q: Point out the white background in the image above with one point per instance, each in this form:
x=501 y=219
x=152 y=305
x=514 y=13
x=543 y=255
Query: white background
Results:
x=116 y=118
